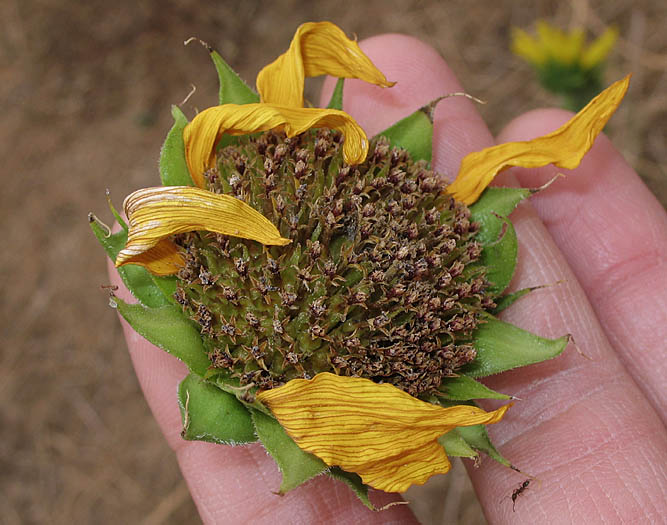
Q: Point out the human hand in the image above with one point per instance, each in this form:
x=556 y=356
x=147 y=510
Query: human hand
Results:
x=589 y=430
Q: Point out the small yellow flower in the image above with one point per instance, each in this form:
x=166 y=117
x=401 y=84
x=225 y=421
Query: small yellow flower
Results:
x=554 y=45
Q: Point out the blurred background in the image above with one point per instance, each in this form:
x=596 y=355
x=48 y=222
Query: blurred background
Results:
x=85 y=92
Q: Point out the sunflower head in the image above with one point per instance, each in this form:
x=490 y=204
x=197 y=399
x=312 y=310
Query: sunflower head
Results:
x=382 y=277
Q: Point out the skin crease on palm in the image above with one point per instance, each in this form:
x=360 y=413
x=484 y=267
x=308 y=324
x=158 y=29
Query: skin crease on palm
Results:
x=589 y=428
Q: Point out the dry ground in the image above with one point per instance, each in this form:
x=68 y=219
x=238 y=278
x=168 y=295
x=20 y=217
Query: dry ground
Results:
x=85 y=90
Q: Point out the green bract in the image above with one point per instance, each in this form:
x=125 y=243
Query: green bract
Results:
x=209 y=414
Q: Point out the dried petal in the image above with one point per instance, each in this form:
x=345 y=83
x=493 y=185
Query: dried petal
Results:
x=207 y=127
x=156 y=213
x=318 y=48
x=376 y=430
x=564 y=148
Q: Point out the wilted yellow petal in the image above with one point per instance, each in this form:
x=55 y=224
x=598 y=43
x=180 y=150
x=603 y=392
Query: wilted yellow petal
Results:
x=526 y=47
x=156 y=213
x=564 y=148
x=318 y=48
x=599 y=49
x=201 y=135
x=378 y=431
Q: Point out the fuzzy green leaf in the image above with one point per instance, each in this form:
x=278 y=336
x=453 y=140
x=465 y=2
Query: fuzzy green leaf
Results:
x=478 y=438
x=168 y=285
x=353 y=481
x=509 y=299
x=501 y=346
x=169 y=329
x=500 y=258
x=414 y=133
x=295 y=465
x=497 y=235
x=209 y=414
x=492 y=202
x=173 y=168
x=336 y=101
x=233 y=90
x=455 y=445
x=137 y=279
x=464 y=388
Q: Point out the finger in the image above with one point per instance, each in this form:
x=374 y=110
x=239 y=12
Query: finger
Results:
x=578 y=415
x=239 y=484
x=613 y=233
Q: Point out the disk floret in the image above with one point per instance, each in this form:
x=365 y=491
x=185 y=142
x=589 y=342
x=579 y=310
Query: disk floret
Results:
x=382 y=278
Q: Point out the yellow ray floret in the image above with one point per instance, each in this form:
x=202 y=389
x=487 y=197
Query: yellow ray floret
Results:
x=562 y=47
x=318 y=48
x=527 y=47
x=564 y=148
x=554 y=45
x=570 y=48
x=156 y=213
x=380 y=432
x=599 y=49
x=207 y=127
